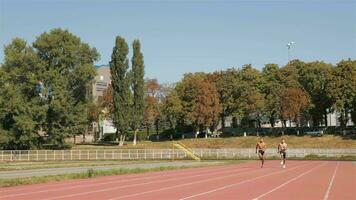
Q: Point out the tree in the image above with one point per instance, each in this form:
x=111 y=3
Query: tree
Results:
x=137 y=87
x=68 y=73
x=122 y=96
x=151 y=112
x=172 y=108
x=272 y=91
x=250 y=99
x=342 y=88
x=200 y=101
x=22 y=113
x=226 y=83
x=313 y=77
x=295 y=102
x=289 y=74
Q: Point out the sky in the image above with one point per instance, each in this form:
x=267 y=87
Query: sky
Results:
x=184 y=36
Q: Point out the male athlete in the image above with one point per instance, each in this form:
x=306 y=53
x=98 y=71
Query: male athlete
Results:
x=261 y=149
x=282 y=149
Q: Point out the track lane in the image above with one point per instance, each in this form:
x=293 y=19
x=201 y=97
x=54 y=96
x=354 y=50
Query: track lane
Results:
x=314 y=183
x=125 y=189
x=83 y=183
x=121 y=182
x=247 y=188
x=316 y=180
x=344 y=185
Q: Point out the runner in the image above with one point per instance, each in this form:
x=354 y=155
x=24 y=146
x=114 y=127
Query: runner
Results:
x=261 y=149
x=282 y=149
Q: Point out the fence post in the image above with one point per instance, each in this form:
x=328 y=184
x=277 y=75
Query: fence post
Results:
x=137 y=154
x=249 y=153
x=96 y=154
x=153 y=154
x=104 y=154
x=20 y=155
x=37 y=155
x=145 y=154
x=2 y=155
x=112 y=154
x=62 y=154
x=161 y=154
x=28 y=155
x=54 y=154
x=88 y=152
x=129 y=153
x=71 y=155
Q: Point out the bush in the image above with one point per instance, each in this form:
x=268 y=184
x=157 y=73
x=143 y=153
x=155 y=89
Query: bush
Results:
x=109 y=137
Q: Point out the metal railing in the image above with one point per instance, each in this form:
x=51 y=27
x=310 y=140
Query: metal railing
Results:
x=158 y=154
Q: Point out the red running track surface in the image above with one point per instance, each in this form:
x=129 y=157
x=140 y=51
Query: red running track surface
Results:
x=305 y=180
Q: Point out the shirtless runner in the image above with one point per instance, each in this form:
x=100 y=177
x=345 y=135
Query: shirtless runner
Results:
x=282 y=149
x=261 y=150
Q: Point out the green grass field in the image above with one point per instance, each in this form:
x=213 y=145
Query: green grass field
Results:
x=9 y=166
x=326 y=141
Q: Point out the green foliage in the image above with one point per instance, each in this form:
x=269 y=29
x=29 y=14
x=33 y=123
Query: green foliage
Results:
x=314 y=79
x=272 y=89
x=342 y=88
x=64 y=65
x=137 y=84
x=122 y=96
x=226 y=83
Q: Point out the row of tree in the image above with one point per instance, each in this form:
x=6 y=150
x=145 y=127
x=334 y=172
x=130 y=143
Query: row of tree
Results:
x=45 y=92
x=300 y=92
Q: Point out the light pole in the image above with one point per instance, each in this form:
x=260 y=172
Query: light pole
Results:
x=289 y=45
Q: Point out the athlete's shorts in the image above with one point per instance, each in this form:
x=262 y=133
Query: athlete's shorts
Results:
x=284 y=154
x=261 y=152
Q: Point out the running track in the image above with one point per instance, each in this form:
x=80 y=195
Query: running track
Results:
x=306 y=180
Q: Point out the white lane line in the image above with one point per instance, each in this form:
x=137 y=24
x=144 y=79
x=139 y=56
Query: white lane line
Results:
x=81 y=185
x=289 y=181
x=238 y=183
x=331 y=182
x=181 y=185
x=138 y=184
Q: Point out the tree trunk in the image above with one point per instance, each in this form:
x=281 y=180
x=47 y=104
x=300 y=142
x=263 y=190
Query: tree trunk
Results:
x=122 y=139
x=222 y=122
x=74 y=139
x=148 y=132
x=135 y=138
x=117 y=135
x=272 y=121
x=284 y=123
x=343 y=119
x=326 y=118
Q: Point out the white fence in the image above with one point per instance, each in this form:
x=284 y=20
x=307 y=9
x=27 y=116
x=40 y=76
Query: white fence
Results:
x=251 y=153
x=157 y=154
